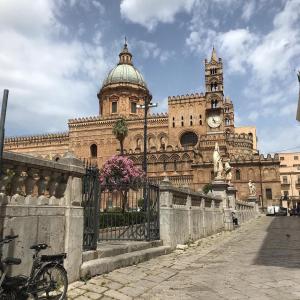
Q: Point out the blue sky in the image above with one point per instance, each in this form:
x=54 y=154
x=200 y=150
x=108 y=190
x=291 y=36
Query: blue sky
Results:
x=55 y=54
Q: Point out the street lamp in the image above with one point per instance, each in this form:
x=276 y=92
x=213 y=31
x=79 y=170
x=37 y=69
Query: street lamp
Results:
x=147 y=104
x=2 y=123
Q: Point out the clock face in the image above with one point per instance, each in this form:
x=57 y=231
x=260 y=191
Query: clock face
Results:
x=214 y=121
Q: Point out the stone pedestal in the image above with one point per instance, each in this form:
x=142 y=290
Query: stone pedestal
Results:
x=219 y=189
x=252 y=199
x=231 y=194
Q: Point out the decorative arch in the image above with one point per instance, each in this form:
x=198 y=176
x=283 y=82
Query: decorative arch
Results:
x=152 y=158
x=163 y=157
x=186 y=157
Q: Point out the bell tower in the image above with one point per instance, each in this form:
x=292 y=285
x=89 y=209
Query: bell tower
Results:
x=214 y=74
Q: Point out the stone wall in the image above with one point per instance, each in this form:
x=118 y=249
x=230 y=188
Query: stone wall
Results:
x=187 y=215
x=40 y=201
x=245 y=211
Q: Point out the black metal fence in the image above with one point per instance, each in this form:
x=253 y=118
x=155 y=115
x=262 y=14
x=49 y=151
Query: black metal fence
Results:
x=123 y=212
x=128 y=213
x=90 y=203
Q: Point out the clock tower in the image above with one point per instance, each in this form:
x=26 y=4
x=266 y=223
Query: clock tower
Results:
x=219 y=111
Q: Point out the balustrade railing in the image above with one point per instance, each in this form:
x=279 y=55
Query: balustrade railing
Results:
x=29 y=180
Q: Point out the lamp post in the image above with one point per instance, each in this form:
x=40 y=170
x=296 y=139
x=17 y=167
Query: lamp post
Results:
x=2 y=123
x=147 y=104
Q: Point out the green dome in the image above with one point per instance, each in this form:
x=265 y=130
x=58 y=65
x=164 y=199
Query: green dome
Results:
x=124 y=73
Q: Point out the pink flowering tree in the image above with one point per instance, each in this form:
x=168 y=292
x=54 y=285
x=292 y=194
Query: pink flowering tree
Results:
x=119 y=173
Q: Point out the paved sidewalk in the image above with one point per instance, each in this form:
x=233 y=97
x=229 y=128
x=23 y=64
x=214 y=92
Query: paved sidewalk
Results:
x=260 y=260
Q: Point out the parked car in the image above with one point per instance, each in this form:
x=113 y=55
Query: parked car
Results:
x=276 y=210
x=281 y=212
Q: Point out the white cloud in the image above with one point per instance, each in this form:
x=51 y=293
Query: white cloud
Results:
x=151 y=50
x=236 y=44
x=149 y=13
x=248 y=10
x=49 y=80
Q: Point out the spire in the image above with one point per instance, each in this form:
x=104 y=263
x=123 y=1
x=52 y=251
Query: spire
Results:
x=125 y=55
x=214 y=55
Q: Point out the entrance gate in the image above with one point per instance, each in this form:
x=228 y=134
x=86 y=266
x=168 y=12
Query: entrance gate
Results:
x=122 y=213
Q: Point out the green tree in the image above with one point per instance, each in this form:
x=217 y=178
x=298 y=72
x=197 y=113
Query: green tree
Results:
x=207 y=188
x=120 y=131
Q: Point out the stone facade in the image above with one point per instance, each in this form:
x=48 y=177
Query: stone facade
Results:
x=290 y=178
x=180 y=142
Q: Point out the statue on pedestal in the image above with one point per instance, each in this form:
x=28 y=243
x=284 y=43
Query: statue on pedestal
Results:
x=218 y=163
x=252 y=188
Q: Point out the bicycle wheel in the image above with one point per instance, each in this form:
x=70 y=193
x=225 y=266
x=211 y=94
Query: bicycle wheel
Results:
x=51 y=283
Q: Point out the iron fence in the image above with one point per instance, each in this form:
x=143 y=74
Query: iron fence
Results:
x=123 y=212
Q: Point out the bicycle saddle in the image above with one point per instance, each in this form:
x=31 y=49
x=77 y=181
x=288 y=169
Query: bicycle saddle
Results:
x=39 y=247
x=12 y=261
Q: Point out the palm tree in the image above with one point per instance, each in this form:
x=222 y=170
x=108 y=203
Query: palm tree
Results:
x=120 y=130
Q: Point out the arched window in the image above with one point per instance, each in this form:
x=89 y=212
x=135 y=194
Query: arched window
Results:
x=250 y=135
x=93 y=149
x=191 y=120
x=57 y=158
x=237 y=174
x=200 y=119
x=182 y=123
x=214 y=86
x=214 y=103
x=173 y=122
x=227 y=122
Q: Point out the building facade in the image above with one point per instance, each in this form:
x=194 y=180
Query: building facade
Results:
x=180 y=142
x=290 y=178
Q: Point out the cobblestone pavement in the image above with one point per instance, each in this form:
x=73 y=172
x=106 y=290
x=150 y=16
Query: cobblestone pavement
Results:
x=260 y=260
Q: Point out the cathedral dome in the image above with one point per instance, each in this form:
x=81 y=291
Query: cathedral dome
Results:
x=124 y=72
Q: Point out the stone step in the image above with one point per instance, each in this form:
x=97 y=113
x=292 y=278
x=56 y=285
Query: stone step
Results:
x=107 y=264
x=113 y=248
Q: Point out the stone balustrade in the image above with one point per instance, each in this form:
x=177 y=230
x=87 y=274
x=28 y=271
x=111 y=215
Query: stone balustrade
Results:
x=187 y=215
x=32 y=181
x=40 y=201
x=245 y=211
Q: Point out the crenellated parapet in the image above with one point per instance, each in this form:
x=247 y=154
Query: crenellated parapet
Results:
x=184 y=98
x=242 y=158
x=50 y=137
x=110 y=120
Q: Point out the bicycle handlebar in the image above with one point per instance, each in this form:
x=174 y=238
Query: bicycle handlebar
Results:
x=8 y=239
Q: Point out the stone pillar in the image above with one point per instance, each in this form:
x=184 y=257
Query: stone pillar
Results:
x=228 y=224
x=73 y=220
x=219 y=189
x=166 y=212
x=231 y=194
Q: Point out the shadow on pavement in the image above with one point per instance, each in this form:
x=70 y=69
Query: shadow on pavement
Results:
x=281 y=246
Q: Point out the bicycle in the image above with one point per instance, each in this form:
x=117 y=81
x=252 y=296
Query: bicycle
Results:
x=47 y=280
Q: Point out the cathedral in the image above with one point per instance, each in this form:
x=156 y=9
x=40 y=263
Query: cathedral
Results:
x=180 y=142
